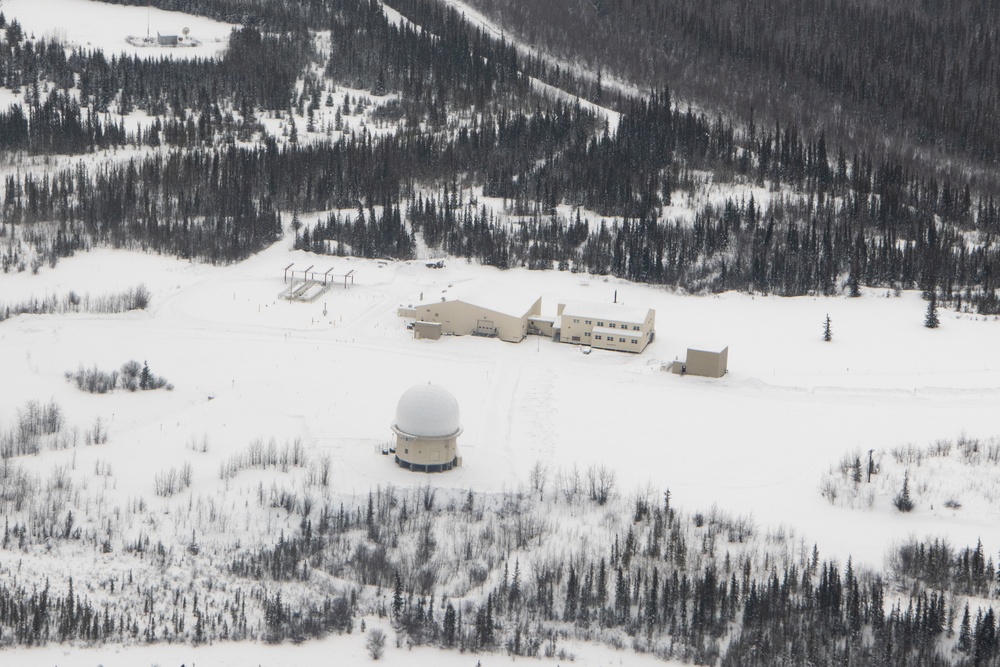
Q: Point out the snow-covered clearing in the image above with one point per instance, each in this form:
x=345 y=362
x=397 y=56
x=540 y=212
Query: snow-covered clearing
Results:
x=247 y=364
x=348 y=649
x=88 y=24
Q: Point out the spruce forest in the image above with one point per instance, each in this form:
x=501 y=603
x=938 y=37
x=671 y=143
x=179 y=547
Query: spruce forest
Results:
x=844 y=211
x=872 y=127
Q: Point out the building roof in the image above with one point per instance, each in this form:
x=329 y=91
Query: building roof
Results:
x=427 y=410
x=605 y=311
x=710 y=349
x=500 y=301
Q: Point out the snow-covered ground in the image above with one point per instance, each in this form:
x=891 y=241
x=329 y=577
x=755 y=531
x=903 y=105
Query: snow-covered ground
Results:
x=348 y=649
x=88 y=24
x=248 y=364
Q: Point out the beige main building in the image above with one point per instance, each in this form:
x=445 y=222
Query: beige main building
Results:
x=505 y=318
x=607 y=326
x=604 y=326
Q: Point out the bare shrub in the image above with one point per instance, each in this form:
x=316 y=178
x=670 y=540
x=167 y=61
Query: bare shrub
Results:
x=259 y=455
x=375 y=643
x=173 y=480
x=601 y=481
x=96 y=434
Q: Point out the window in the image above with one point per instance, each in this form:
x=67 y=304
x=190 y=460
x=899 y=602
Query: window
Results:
x=406 y=451
x=612 y=325
x=635 y=342
x=621 y=340
x=587 y=322
x=586 y=334
x=635 y=327
x=597 y=337
x=576 y=321
x=600 y=324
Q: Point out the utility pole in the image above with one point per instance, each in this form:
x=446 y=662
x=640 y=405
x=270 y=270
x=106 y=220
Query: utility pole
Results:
x=871 y=465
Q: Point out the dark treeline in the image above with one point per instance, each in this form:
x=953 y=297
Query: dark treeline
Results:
x=36 y=617
x=853 y=218
x=967 y=572
x=924 y=74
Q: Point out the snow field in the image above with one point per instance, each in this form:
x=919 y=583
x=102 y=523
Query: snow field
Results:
x=87 y=24
x=248 y=365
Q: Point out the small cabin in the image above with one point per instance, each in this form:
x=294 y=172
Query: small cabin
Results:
x=706 y=363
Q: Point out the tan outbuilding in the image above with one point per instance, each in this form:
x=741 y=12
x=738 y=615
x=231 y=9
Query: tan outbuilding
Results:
x=427 y=427
x=607 y=326
x=505 y=317
x=428 y=330
x=706 y=363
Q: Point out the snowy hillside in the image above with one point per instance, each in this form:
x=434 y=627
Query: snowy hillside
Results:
x=196 y=469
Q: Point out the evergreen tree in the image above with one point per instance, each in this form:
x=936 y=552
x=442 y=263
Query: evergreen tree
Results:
x=449 y=625
x=572 y=595
x=931 y=320
x=827 y=331
x=902 y=500
x=397 y=596
x=144 y=377
x=965 y=632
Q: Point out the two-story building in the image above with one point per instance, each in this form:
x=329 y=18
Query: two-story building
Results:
x=607 y=326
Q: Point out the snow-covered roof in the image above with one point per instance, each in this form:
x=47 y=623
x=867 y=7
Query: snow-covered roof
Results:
x=427 y=410
x=500 y=301
x=605 y=311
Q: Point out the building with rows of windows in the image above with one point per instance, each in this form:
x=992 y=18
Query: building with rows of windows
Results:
x=607 y=326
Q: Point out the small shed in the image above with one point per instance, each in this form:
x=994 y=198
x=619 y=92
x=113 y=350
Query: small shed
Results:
x=429 y=330
x=167 y=40
x=706 y=363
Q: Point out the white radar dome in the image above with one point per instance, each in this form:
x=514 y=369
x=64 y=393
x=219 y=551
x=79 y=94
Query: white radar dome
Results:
x=427 y=411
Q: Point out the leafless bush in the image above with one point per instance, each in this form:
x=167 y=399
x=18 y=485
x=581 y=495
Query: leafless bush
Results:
x=427 y=494
x=34 y=421
x=259 y=455
x=16 y=487
x=828 y=489
x=908 y=454
x=135 y=298
x=940 y=448
x=601 y=481
x=172 y=481
x=93 y=380
x=375 y=644
x=96 y=434
x=538 y=477
x=130 y=375
x=568 y=483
